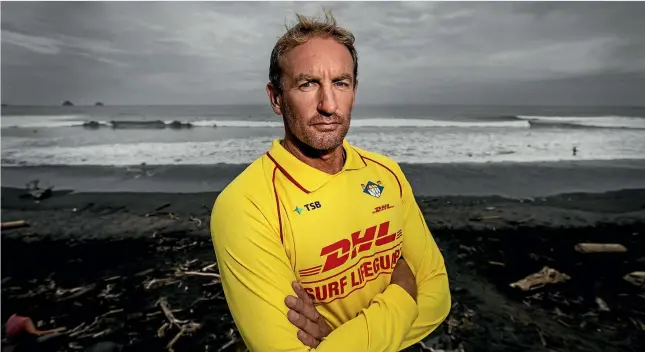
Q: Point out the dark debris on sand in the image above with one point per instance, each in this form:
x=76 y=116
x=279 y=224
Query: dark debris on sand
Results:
x=145 y=295
x=114 y=268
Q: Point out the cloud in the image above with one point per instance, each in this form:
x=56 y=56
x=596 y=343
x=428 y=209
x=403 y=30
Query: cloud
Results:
x=39 y=45
x=94 y=49
x=218 y=52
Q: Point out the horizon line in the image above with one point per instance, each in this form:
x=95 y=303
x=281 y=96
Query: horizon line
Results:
x=357 y=105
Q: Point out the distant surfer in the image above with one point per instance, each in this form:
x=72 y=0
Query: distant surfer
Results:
x=575 y=151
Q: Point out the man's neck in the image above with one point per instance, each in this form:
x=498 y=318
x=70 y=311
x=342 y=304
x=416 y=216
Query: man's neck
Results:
x=330 y=162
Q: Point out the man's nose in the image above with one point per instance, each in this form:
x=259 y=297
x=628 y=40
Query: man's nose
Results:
x=327 y=105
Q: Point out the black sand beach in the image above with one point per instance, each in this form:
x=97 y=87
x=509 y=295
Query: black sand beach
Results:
x=101 y=263
x=514 y=180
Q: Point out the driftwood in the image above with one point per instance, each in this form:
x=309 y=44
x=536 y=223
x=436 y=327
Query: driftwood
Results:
x=208 y=267
x=157 y=210
x=195 y=220
x=13 y=224
x=602 y=305
x=184 y=326
x=484 y=218
x=233 y=339
x=424 y=347
x=196 y=273
x=521 y=221
x=498 y=217
x=160 y=282
x=179 y=273
x=83 y=331
x=75 y=292
x=545 y=276
x=637 y=278
x=600 y=248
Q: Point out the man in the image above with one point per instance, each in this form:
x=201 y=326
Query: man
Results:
x=308 y=236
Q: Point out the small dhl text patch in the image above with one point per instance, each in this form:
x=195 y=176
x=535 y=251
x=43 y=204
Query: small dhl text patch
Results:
x=381 y=208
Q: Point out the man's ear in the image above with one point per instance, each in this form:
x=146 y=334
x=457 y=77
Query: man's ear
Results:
x=274 y=98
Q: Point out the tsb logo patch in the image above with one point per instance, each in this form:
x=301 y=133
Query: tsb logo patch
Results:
x=309 y=207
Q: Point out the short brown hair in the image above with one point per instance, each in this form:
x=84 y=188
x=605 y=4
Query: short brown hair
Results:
x=306 y=29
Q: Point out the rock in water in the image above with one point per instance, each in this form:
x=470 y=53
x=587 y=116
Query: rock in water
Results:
x=91 y=124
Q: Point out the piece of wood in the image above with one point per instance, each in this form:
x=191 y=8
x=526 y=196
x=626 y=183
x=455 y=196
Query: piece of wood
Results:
x=195 y=220
x=485 y=218
x=636 y=278
x=13 y=224
x=602 y=305
x=184 y=326
x=172 y=342
x=543 y=277
x=518 y=222
x=210 y=266
x=160 y=282
x=196 y=273
x=75 y=292
x=600 y=248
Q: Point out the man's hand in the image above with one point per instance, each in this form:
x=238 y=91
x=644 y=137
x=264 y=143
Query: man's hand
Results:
x=403 y=276
x=303 y=314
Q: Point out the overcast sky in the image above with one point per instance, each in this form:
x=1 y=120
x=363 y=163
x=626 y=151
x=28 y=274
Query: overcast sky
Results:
x=409 y=52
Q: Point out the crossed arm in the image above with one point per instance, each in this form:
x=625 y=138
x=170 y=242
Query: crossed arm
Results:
x=256 y=276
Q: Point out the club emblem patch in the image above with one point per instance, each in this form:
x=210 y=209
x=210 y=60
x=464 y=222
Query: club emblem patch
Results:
x=373 y=189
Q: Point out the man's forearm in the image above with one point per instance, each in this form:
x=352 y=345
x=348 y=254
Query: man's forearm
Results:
x=434 y=303
x=382 y=326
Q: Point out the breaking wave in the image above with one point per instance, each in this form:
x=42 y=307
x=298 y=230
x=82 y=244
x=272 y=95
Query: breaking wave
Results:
x=358 y=123
x=418 y=146
x=620 y=122
x=520 y=121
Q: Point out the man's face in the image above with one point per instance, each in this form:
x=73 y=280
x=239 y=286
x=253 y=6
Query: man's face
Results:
x=318 y=93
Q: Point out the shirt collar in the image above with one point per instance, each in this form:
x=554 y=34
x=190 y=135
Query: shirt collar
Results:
x=305 y=177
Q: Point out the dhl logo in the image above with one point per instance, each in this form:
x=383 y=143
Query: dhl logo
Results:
x=381 y=208
x=339 y=252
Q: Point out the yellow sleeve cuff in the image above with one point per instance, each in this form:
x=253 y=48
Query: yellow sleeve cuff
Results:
x=401 y=300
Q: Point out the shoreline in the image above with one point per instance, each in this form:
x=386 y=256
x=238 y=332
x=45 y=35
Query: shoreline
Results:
x=513 y=180
x=103 y=246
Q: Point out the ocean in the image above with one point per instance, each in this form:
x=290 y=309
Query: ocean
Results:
x=467 y=149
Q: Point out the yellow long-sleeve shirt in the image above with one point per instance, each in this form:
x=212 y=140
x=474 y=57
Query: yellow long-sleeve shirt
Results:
x=338 y=235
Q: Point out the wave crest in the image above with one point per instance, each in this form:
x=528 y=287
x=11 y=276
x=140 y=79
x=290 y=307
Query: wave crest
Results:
x=506 y=121
x=610 y=122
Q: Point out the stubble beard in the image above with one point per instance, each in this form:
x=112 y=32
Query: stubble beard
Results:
x=311 y=141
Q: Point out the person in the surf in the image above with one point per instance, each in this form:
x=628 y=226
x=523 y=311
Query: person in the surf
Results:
x=22 y=333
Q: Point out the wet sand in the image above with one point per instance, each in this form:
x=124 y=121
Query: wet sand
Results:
x=100 y=263
x=514 y=180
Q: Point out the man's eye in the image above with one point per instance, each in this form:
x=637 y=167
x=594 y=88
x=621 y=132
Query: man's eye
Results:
x=342 y=84
x=307 y=85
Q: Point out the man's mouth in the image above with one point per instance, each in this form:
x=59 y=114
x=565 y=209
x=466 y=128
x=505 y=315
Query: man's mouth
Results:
x=327 y=123
x=326 y=126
